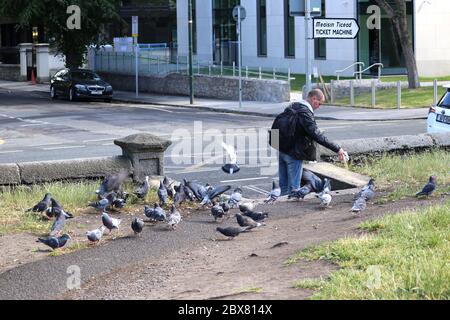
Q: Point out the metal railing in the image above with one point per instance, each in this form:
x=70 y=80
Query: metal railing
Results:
x=379 y=65
x=338 y=72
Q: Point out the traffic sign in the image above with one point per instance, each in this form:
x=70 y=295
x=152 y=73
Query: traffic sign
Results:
x=235 y=13
x=134 y=26
x=339 y=28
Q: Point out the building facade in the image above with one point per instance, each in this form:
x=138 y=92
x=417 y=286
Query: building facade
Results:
x=271 y=38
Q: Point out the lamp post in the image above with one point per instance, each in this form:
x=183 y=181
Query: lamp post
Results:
x=191 y=74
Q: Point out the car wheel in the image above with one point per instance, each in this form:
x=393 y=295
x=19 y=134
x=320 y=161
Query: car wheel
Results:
x=71 y=94
x=53 y=93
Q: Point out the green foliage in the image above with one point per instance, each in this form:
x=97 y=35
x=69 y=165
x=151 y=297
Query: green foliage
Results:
x=52 y=14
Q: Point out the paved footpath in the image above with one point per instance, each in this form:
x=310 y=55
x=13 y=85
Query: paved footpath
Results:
x=326 y=112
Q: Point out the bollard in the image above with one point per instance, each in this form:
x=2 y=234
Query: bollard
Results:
x=274 y=77
x=332 y=91
x=246 y=72
x=221 y=68
x=435 y=92
x=178 y=67
x=234 y=68
x=157 y=64
x=289 y=77
x=399 y=95
x=209 y=69
x=373 y=94
x=352 y=93
x=260 y=74
x=198 y=67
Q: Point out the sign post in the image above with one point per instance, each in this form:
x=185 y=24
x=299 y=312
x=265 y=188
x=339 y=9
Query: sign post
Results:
x=335 y=28
x=135 y=33
x=239 y=14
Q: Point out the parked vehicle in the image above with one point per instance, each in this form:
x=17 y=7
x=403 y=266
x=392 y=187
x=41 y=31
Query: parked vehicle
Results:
x=79 y=83
x=439 y=115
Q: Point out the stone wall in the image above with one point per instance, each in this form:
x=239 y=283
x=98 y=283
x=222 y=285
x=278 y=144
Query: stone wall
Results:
x=226 y=88
x=10 y=72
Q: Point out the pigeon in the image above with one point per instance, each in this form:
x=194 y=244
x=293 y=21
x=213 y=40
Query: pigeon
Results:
x=232 y=231
x=367 y=192
x=235 y=197
x=110 y=223
x=95 y=235
x=174 y=218
x=182 y=194
x=225 y=206
x=55 y=242
x=137 y=225
x=429 y=188
x=325 y=199
x=326 y=186
x=359 y=205
x=112 y=183
x=198 y=190
x=142 y=191
x=273 y=194
x=214 y=192
x=257 y=216
x=217 y=211
x=245 y=221
x=230 y=167
x=156 y=213
x=58 y=224
x=162 y=194
x=101 y=204
x=246 y=206
x=169 y=187
x=302 y=192
x=56 y=209
x=42 y=205
x=119 y=203
x=314 y=181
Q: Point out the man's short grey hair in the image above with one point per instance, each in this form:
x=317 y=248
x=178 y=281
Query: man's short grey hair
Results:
x=316 y=93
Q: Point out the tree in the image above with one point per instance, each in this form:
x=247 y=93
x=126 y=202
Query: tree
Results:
x=396 y=11
x=52 y=14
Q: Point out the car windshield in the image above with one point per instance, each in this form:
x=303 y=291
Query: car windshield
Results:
x=84 y=75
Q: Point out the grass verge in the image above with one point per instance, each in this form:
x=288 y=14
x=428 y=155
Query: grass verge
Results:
x=404 y=256
x=405 y=175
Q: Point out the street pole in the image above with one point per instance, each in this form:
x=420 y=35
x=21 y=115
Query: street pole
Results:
x=136 y=54
x=307 y=69
x=191 y=74
x=240 y=57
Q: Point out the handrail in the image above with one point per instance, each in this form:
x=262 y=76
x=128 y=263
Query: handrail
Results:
x=352 y=65
x=379 y=65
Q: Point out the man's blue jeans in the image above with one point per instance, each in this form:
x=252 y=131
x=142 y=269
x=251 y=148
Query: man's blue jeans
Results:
x=290 y=172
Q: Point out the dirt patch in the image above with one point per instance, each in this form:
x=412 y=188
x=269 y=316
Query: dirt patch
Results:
x=252 y=266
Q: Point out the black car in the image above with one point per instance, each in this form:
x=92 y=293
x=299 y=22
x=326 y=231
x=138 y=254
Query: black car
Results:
x=79 y=83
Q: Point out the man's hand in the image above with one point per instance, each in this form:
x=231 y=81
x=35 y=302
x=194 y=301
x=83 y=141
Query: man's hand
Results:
x=341 y=154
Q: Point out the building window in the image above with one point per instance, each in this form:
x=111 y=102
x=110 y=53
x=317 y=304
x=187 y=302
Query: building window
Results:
x=224 y=32
x=262 y=27
x=289 y=32
x=320 y=45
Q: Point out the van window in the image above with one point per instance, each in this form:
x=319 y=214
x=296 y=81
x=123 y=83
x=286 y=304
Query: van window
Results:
x=445 y=101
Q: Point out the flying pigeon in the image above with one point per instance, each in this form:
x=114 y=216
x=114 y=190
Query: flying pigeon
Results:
x=42 y=205
x=429 y=188
x=232 y=231
x=198 y=190
x=110 y=223
x=273 y=194
x=359 y=205
x=257 y=216
x=245 y=221
x=174 y=218
x=143 y=189
x=235 y=197
x=137 y=225
x=217 y=211
x=95 y=235
x=246 y=206
x=55 y=242
x=314 y=181
x=162 y=194
x=112 y=183
x=368 y=191
x=230 y=167
x=58 y=224
x=214 y=192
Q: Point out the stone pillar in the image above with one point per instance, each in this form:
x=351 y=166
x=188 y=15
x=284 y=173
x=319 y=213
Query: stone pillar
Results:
x=23 y=47
x=146 y=153
x=42 y=62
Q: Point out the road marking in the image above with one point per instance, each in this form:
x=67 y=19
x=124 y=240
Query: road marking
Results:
x=340 y=127
x=66 y=147
x=108 y=144
x=11 y=151
x=260 y=189
x=255 y=190
x=32 y=124
x=99 y=140
x=246 y=179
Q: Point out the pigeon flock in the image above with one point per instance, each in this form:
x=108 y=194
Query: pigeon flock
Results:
x=111 y=197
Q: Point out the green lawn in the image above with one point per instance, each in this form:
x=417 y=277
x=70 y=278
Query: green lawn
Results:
x=403 y=256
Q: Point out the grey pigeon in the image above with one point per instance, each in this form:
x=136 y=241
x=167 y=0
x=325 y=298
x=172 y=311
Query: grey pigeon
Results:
x=213 y=193
x=235 y=197
x=110 y=223
x=59 y=223
x=101 y=204
x=257 y=216
x=225 y=206
x=273 y=194
x=143 y=189
x=246 y=206
x=156 y=213
x=162 y=194
x=112 y=182
x=245 y=221
x=314 y=181
x=231 y=231
x=230 y=167
x=429 y=188
x=56 y=209
x=359 y=205
x=174 y=218
x=327 y=186
x=217 y=211
x=137 y=225
x=169 y=187
x=96 y=234
x=197 y=189
x=55 y=242
x=302 y=192
x=42 y=205
x=119 y=202
x=368 y=191
x=325 y=199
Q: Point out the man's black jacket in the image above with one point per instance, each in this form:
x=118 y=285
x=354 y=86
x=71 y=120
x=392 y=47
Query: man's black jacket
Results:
x=306 y=133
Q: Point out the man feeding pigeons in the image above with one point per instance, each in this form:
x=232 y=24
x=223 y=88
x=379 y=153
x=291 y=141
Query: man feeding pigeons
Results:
x=298 y=133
